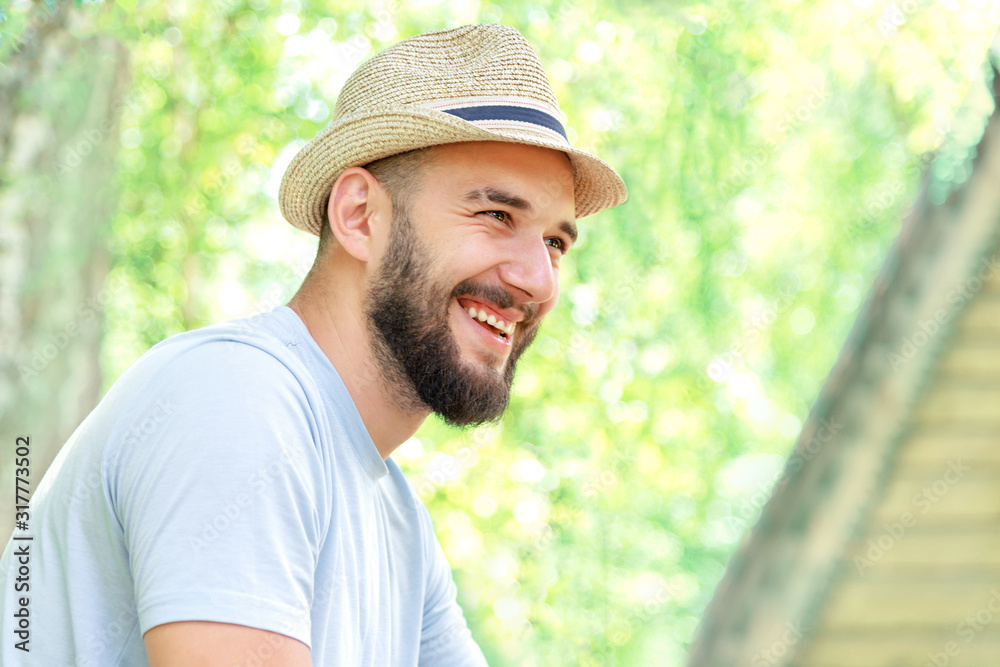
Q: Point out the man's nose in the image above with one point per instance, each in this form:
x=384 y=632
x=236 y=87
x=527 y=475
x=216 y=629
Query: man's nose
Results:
x=529 y=270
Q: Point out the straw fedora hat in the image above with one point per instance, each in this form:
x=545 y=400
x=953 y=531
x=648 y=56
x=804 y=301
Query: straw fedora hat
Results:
x=473 y=83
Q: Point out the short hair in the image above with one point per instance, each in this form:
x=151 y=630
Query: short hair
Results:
x=399 y=174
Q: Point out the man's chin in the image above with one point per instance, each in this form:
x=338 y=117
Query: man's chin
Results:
x=488 y=374
x=479 y=395
x=484 y=364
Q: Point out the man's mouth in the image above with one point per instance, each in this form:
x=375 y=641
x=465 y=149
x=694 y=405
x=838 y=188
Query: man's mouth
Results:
x=499 y=327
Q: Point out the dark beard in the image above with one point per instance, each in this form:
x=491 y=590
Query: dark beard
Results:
x=414 y=346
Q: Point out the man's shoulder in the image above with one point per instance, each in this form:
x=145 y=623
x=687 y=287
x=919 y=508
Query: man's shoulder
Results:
x=268 y=331
x=230 y=361
x=238 y=385
x=260 y=340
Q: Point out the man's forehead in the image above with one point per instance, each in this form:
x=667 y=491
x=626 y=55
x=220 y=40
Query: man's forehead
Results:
x=539 y=177
x=554 y=164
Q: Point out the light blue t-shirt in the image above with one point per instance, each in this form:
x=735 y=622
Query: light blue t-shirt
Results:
x=227 y=476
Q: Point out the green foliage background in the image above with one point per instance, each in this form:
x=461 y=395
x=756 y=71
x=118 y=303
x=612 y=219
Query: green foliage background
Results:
x=770 y=149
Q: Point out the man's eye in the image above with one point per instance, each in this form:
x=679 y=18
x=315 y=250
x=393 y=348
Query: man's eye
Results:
x=558 y=244
x=499 y=215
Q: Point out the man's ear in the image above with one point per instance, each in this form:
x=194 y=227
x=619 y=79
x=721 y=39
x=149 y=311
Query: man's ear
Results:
x=358 y=206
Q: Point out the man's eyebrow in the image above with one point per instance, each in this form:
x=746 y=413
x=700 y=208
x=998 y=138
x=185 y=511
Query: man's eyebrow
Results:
x=498 y=197
x=501 y=197
x=569 y=228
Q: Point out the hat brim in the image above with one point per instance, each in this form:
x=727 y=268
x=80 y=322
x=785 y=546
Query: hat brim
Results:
x=354 y=141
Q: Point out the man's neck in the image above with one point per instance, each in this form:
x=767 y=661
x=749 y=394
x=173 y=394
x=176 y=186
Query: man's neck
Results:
x=339 y=330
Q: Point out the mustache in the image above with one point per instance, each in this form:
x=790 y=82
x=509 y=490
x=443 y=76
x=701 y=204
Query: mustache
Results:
x=499 y=296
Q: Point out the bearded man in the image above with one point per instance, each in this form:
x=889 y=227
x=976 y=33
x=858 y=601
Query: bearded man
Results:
x=232 y=499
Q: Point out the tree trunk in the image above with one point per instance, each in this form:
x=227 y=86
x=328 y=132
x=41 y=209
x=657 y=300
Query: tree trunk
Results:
x=60 y=99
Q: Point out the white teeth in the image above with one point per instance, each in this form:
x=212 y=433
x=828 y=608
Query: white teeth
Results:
x=482 y=316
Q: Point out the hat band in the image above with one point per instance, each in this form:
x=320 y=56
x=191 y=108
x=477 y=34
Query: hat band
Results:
x=504 y=112
x=499 y=112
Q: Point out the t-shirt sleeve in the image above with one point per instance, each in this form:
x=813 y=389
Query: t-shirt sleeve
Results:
x=218 y=485
x=445 y=640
